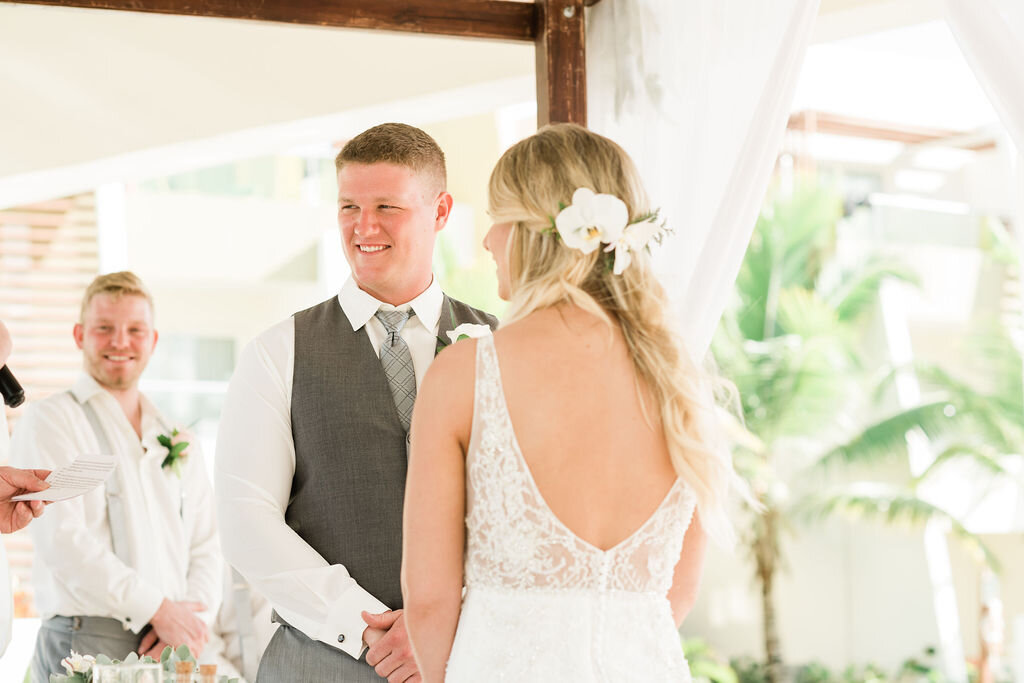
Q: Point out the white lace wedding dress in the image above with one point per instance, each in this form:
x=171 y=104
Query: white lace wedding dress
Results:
x=542 y=604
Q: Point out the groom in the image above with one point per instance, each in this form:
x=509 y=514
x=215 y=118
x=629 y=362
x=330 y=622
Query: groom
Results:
x=312 y=450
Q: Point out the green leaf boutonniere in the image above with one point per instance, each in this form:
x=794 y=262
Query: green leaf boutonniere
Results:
x=177 y=446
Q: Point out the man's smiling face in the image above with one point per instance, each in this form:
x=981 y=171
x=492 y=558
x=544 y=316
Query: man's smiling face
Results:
x=389 y=217
x=117 y=338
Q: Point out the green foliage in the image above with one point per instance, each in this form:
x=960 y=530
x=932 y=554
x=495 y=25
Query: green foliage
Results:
x=919 y=669
x=749 y=670
x=791 y=343
x=705 y=665
x=476 y=285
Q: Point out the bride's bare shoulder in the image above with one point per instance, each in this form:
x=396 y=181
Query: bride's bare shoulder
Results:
x=445 y=397
x=454 y=362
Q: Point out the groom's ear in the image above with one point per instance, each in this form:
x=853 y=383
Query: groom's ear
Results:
x=442 y=210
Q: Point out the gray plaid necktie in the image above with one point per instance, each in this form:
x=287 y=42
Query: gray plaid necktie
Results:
x=397 y=363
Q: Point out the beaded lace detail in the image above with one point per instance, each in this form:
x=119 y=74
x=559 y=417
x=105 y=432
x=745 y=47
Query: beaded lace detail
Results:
x=543 y=605
x=515 y=541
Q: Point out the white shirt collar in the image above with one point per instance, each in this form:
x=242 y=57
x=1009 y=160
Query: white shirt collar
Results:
x=360 y=306
x=86 y=386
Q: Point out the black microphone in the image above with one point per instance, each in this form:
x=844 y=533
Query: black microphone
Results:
x=13 y=394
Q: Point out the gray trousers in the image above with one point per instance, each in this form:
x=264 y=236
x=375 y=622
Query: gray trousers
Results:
x=293 y=657
x=58 y=636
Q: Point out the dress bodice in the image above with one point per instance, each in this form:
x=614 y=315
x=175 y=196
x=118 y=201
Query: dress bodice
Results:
x=530 y=579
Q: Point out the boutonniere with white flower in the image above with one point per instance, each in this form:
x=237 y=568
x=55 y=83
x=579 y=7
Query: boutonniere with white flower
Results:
x=174 y=447
x=595 y=220
x=468 y=331
x=460 y=332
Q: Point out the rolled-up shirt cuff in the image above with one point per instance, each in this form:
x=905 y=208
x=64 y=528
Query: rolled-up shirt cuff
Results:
x=139 y=608
x=345 y=625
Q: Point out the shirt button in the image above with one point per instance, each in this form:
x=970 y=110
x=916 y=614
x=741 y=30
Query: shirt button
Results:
x=341 y=637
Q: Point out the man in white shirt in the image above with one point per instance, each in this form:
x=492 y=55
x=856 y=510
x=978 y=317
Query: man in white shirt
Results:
x=312 y=449
x=134 y=564
x=13 y=515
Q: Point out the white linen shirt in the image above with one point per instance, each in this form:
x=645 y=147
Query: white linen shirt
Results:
x=255 y=465
x=170 y=522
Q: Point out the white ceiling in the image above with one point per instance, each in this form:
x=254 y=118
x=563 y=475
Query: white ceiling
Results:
x=86 y=95
x=81 y=85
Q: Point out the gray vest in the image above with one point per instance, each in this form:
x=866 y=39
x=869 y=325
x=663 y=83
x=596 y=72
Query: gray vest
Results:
x=349 y=483
x=350 y=448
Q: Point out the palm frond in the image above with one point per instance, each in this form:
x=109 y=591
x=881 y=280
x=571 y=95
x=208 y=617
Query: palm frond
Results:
x=892 y=506
x=887 y=438
x=996 y=418
x=965 y=452
x=804 y=313
x=855 y=290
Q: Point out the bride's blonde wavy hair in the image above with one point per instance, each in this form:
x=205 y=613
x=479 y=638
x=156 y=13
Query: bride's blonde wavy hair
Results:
x=528 y=185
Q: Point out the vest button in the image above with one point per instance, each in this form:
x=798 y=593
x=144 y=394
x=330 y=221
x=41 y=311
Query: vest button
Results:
x=341 y=637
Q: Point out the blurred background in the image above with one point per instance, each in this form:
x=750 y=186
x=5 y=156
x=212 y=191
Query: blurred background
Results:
x=874 y=334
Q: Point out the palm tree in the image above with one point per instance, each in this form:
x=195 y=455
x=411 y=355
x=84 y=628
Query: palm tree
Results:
x=791 y=343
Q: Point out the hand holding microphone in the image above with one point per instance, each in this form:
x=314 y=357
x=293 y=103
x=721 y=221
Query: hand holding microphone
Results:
x=12 y=392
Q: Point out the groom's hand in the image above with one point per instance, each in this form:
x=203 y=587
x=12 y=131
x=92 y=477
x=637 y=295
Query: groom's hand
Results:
x=177 y=624
x=390 y=654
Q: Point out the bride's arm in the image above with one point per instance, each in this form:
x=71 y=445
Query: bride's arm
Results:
x=435 y=503
x=686 y=580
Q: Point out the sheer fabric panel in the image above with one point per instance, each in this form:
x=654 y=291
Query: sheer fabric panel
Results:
x=698 y=93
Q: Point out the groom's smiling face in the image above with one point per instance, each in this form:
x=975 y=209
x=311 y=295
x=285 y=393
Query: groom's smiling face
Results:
x=389 y=217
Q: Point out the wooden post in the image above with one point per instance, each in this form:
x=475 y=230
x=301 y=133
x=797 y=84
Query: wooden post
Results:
x=561 y=62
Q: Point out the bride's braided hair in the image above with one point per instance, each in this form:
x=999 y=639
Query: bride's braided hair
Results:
x=526 y=188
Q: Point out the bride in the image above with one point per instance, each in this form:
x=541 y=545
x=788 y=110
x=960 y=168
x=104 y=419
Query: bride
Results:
x=564 y=470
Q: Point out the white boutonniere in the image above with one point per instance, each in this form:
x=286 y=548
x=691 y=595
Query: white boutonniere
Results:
x=468 y=331
x=595 y=220
x=173 y=447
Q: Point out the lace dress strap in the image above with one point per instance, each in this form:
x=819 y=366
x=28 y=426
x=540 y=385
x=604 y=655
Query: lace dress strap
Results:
x=485 y=392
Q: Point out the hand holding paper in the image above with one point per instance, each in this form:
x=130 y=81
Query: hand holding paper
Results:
x=82 y=475
x=15 y=515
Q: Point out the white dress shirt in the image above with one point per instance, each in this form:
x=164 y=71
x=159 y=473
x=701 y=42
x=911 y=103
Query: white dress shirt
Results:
x=170 y=522
x=6 y=599
x=256 y=462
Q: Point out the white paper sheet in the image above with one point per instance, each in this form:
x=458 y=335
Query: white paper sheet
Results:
x=82 y=475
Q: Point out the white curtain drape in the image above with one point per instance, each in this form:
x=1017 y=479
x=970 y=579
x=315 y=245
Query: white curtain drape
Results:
x=698 y=93
x=991 y=35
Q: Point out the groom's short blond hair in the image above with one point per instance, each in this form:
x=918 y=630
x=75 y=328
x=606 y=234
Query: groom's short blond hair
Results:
x=121 y=283
x=397 y=143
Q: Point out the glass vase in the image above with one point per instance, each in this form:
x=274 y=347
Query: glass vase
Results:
x=127 y=673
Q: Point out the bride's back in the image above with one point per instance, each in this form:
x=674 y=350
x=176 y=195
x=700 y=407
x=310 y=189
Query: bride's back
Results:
x=601 y=463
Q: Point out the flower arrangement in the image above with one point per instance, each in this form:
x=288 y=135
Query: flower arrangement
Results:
x=80 y=668
x=595 y=220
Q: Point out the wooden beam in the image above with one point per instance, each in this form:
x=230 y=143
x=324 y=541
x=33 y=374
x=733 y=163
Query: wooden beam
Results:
x=495 y=19
x=561 y=62
x=854 y=127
